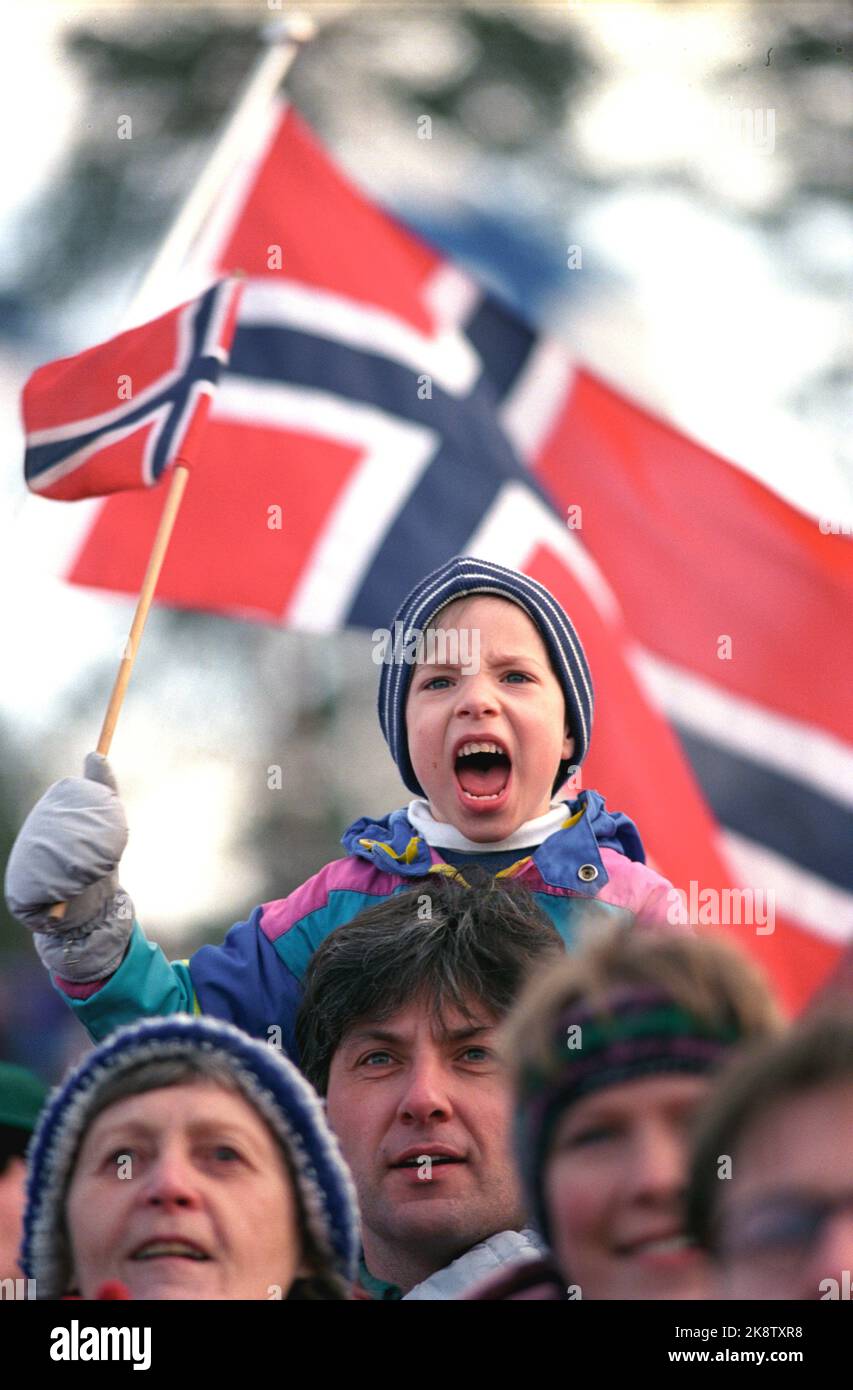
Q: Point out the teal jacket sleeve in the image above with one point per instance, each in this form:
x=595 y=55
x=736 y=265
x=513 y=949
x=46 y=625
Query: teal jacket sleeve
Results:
x=144 y=986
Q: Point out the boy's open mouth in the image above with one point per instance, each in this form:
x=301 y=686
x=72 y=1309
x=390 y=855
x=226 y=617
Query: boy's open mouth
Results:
x=482 y=769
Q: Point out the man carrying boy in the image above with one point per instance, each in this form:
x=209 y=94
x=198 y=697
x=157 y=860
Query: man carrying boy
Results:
x=485 y=749
x=398 y=1031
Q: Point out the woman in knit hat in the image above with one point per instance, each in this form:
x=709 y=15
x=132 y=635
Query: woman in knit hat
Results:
x=184 y=1160
x=22 y=1096
x=612 y=1052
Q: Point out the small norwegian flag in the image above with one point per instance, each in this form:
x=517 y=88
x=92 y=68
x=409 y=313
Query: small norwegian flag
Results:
x=118 y=415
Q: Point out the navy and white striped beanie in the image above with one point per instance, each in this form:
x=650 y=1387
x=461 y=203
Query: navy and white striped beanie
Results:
x=458 y=578
x=269 y=1082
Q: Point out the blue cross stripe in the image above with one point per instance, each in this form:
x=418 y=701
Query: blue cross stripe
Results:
x=503 y=341
x=200 y=367
x=473 y=458
x=745 y=795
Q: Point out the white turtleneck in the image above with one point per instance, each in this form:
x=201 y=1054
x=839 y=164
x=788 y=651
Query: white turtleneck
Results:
x=527 y=836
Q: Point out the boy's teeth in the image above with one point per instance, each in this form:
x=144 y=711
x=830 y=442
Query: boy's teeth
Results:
x=468 y=748
x=492 y=796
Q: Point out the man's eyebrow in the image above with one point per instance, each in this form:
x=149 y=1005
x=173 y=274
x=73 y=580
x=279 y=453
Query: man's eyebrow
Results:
x=374 y=1035
x=387 y=1035
x=469 y=1030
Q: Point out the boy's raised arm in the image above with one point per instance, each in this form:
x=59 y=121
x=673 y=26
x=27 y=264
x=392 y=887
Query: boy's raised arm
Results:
x=68 y=851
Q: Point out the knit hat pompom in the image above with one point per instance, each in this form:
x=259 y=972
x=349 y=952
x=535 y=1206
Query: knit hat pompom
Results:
x=268 y=1082
x=462 y=577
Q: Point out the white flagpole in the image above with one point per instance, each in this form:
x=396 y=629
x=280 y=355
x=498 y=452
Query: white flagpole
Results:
x=283 y=41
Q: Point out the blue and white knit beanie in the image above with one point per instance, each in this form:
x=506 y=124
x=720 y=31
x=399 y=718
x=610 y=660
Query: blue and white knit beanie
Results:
x=272 y=1086
x=460 y=577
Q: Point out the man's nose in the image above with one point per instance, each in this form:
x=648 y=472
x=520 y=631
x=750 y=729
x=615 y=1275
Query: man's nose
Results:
x=426 y=1095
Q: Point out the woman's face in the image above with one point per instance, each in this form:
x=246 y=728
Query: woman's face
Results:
x=183 y=1193
x=614 y=1183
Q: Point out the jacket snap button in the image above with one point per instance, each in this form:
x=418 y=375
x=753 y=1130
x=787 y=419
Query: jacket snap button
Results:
x=587 y=872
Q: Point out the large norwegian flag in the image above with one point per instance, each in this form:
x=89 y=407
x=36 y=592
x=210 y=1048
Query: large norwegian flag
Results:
x=398 y=415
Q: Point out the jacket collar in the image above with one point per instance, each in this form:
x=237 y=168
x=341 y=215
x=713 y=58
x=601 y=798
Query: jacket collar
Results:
x=503 y=1248
x=394 y=846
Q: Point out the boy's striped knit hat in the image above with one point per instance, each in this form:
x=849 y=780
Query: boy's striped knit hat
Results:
x=458 y=578
x=632 y=1034
x=271 y=1085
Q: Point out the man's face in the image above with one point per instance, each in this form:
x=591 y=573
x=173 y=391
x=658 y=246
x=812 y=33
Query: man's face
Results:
x=513 y=701
x=205 y=1210
x=786 y=1215
x=614 y=1184
x=409 y=1089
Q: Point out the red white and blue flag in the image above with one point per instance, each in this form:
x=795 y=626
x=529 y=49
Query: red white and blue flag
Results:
x=118 y=415
x=399 y=415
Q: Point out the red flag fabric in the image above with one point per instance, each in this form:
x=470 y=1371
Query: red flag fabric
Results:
x=387 y=414
x=117 y=415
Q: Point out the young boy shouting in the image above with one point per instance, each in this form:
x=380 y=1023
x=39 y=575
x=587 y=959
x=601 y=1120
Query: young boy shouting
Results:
x=485 y=745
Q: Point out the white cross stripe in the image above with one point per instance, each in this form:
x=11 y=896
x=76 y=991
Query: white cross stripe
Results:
x=819 y=906
x=446 y=356
x=395 y=455
x=803 y=752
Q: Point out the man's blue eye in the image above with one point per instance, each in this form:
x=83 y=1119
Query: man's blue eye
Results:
x=483 y=1054
x=384 y=1058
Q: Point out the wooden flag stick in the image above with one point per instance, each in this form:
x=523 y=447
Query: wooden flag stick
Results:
x=174 y=497
x=180 y=474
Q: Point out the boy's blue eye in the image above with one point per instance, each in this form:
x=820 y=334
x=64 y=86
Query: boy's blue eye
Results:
x=434 y=681
x=517 y=675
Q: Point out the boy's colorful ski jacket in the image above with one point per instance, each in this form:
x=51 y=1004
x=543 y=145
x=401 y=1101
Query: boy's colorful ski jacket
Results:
x=254 y=979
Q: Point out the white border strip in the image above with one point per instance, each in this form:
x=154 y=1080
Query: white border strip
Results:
x=802 y=752
x=394 y=456
x=821 y=907
x=531 y=409
x=447 y=356
x=513 y=526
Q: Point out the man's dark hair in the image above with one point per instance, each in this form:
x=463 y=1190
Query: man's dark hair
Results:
x=443 y=941
x=816 y=1052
